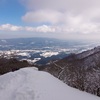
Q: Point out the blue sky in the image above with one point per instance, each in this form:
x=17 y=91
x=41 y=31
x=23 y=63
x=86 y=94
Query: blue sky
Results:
x=65 y=19
x=11 y=12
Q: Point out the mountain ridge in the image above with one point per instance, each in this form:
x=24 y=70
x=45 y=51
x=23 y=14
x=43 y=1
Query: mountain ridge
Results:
x=81 y=71
x=31 y=84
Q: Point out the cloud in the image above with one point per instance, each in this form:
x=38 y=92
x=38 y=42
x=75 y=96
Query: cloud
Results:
x=62 y=32
x=43 y=16
x=75 y=7
x=69 y=15
x=83 y=29
x=42 y=29
x=63 y=18
x=64 y=5
x=9 y=27
x=45 y=29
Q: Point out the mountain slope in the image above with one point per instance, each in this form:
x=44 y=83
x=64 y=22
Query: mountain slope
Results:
x=81 y=71
x=30 y=84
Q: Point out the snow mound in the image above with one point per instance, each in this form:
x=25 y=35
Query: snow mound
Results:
x=25 y=54
x=31 y=84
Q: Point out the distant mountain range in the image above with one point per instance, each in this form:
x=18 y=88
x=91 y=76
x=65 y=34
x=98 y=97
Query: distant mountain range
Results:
x=41 y=50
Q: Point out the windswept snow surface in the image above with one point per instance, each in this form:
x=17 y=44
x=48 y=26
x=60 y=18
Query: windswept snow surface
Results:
x=31 y=84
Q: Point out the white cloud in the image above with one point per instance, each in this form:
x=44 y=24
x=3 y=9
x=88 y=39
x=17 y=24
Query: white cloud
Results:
x=63 y=18
x=80 y=16
x=85 y=28
x=84 y=31
x=40 y=16
x=45 y=29
x=9 y=27
x=68 y=5
x=42 y=29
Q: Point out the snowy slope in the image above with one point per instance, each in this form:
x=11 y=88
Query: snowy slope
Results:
x=31 y=84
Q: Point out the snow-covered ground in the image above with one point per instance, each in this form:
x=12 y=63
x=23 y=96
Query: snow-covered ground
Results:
x=24 y=54
x=32 y=61
x=49 y=54
x=31 y=84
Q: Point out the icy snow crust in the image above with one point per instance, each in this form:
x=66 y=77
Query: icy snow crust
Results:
x=31 y=84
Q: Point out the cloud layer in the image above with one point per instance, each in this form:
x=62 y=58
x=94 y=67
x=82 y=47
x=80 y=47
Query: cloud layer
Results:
x=61 y=18
x=43 y=28
x=71 y=15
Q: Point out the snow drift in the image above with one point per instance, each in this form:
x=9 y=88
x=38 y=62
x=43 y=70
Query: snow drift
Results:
x=31 y=84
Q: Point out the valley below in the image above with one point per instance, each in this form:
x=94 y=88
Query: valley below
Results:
x=75 y=63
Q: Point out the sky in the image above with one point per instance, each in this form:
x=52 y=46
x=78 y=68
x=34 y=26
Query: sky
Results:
x=64 y=19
